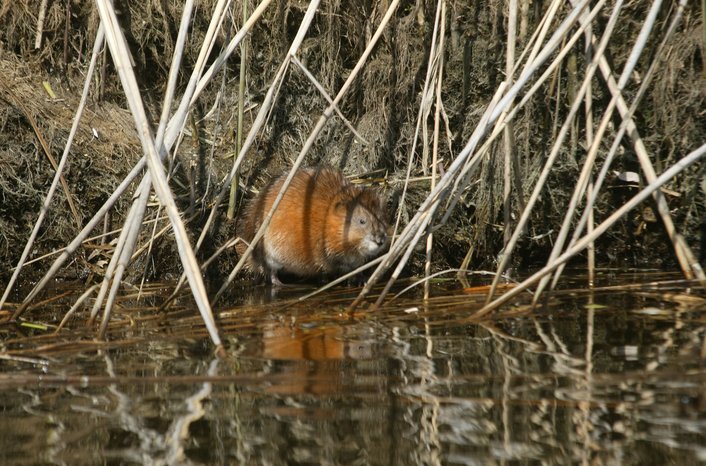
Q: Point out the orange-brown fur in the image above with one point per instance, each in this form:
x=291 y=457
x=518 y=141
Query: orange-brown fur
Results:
x=323 y=225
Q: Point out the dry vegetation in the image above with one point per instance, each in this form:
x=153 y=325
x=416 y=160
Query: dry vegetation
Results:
x=453 y=90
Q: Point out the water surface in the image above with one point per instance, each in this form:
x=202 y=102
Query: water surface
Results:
x=610 y=376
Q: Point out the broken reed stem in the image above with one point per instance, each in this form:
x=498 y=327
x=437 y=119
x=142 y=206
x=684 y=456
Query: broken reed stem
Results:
x=462 y=180
x=537 y=39
x=40 y=25
x=84 y=296
x=121 y=255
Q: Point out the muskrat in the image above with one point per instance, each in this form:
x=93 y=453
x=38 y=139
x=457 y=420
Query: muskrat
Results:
x=323 y=226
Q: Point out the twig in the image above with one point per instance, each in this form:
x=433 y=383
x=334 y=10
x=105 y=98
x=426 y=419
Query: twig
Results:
x=40 y=25
x=239 y=136
x=508 y=138
x=45 y=148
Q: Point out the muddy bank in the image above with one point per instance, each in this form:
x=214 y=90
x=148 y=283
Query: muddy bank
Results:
x=41 y=89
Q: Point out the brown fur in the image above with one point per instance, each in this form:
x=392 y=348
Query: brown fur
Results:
x=323 y=225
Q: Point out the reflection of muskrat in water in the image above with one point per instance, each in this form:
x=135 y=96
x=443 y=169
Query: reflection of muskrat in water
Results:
x=324 y=225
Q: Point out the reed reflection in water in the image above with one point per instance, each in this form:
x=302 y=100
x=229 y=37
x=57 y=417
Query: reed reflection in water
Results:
x=612 y=377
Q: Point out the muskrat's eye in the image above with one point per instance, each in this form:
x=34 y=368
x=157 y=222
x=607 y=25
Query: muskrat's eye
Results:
x=362 y=221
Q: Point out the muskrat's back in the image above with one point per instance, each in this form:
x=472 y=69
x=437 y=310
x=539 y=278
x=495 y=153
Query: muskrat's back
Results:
x=323 y=225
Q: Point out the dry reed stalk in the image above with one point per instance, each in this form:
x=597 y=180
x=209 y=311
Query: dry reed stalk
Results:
x=81 y=299
x=402 y=248
x=554 y=153
x=128 y=238
x=538 y=37
x=646 y=192
x=508 y=136
x=40 y=24
x=421 y=115
x=435 y=138
x=467 y=172
x=167 y=104
x=558 y=60
x=682 y=250
x=588 y=127
x=58 y=174
x=644 y=86
x=121 y=254
x=120 y=54
x=230 y=213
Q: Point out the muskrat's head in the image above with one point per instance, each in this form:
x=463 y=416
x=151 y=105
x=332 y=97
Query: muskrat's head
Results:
x=365 y=226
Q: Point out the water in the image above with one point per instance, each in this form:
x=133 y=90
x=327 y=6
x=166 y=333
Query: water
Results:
x=616 y=376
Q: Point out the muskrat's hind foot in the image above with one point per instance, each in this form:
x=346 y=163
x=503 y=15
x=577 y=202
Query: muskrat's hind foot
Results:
x=274 y=279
